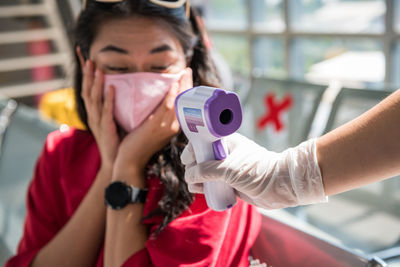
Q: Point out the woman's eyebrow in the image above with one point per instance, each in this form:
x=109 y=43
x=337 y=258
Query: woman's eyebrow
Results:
x=112 y=48
x=160 y=48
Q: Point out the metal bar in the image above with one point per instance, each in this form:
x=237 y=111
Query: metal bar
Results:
x=388 y=39
x=62 y=41
x=27 y=36
x=389 y=253
x=250 y=35
x=56 y=22
x=300 y=34
x=287 y=41
x=23 y=10
x=30 y=88
x=6 y=115
x=32 y=62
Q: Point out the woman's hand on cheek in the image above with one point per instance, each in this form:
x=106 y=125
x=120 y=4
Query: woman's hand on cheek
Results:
x=156 y=131
x=186 y=81
x=100 y=114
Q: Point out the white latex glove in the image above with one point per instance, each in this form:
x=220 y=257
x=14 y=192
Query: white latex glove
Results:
x=267 y=179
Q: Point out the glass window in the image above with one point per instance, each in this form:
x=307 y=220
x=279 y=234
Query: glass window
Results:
x=396 y=17
x=268 y=56
x=338 y=16
x=396 y=66
x=356 y=62
x=234 y=49
x=267 y=15
x=226 y=14
x=328 y=39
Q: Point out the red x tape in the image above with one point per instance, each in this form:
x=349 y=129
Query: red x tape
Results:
x=274 y=109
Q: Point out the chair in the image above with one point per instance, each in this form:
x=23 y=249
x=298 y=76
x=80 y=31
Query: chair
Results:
x=278 y=242
x=22 y=142
x=284 y=240
x=296 y=120
x=369 y=217
x=350 y=103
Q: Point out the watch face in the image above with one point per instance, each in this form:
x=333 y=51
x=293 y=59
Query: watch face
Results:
x=117 y=195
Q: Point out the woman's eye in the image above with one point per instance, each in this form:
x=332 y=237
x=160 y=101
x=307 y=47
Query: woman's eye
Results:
x=117 y=69
x=159 y=68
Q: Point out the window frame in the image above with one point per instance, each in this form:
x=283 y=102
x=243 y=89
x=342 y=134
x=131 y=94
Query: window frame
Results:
x=389 y=37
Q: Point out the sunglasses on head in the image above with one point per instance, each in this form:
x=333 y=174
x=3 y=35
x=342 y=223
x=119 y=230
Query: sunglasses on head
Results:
x=162 y=3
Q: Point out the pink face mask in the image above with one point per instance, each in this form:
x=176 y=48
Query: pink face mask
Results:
x=138 y=94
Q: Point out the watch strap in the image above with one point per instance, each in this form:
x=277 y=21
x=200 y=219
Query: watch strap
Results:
x=138 y=195
x=118 y=194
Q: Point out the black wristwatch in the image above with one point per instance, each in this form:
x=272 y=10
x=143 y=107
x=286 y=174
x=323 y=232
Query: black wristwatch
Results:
x=119 y=194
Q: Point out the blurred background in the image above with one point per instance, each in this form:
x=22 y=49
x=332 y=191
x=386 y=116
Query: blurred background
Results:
x=315 y=64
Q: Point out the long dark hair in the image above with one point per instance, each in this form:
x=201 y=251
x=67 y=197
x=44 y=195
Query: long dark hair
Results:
x=166 y=162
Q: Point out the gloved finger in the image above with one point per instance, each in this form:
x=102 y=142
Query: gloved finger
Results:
x=246 y=198
x=235 y=140
x=187 y=156
x=204 y=172
x=240 y=144
x=196 y=188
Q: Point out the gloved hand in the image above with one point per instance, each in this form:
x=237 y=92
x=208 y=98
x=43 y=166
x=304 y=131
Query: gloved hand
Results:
x=263 y=178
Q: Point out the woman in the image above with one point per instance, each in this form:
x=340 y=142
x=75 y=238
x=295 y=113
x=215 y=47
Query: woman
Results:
x=148 y=45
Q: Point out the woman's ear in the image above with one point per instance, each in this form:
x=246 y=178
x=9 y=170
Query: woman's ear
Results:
x=81 y=58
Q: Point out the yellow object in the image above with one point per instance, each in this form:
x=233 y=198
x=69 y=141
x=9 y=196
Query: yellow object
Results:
x=60 y=106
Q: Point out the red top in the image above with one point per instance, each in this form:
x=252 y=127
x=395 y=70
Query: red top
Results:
x=199 y=237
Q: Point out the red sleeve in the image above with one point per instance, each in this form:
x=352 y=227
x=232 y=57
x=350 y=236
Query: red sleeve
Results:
x=41 y=224
x=202 y=237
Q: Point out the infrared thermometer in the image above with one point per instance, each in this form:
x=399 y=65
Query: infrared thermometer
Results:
x=206 y=115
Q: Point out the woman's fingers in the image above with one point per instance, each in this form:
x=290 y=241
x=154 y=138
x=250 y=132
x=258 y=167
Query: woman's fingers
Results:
x=96 y=93
x=187 y=156
x=100 y=112
x=177 y=87
x=196 y=188
x=108 y=107
x=168 y=104
x=94 y=97
x=186 y=82
x=87 y=80
x=169 y=100
x=80 y=57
